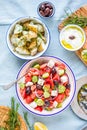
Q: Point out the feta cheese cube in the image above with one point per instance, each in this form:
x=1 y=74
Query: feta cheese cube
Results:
x=64 y=79
x=33 y=104
x=41 y=82
x=51 y=64
x=29 y=84
x=55 y=103
x=54 y=93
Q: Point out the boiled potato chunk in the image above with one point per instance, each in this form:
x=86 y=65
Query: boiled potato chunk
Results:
x=32 y=45
x=15 y=40
x=32 y=34
x=39 y=41
x=22 y=50
x=22 y=42
x=34 y=51
x=40 y=48
x=18 y=29
x=33 y=28
x=40 y=28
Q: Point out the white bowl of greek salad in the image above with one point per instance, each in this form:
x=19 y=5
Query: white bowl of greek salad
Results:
x=48 y=88
x=28 y=38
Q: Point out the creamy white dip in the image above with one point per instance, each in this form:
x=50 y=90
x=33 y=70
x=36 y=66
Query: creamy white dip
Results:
x=72 y=37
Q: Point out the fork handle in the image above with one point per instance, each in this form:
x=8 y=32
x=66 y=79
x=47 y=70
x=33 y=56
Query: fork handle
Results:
x=7 y=86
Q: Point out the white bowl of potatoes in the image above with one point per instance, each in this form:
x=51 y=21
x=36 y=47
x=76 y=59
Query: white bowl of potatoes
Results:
x=28 y=38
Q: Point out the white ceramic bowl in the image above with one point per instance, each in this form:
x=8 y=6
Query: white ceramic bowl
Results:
x=70 y=35
x=10 y=31
x=72 y=81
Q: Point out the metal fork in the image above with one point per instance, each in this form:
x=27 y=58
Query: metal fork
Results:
x=7 y=86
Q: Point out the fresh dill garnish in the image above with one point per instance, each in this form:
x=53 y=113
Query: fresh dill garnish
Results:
x=13 y=120
x=26 y=119
x=40 y=35
x=74 y=19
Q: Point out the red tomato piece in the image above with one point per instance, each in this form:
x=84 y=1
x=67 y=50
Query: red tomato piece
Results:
x=60 y=98
x=29 y=99
x=47 y=69
x=39 y=108
x=50 y=81
x=60 y=65
x=33 y=96
x=57 y=64
x=23 y=94
x=67 y=92
x=39 y=92
x=56 y=77
x=34 y=71
x=41 y=72
x=43 y=66
x=27 y=78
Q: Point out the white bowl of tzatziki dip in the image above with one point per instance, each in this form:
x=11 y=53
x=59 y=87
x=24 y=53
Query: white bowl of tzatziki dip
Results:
x=72 y=37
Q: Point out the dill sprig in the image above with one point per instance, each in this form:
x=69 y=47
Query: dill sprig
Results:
x=13 y=120
x=26 y=119
x=74 y=19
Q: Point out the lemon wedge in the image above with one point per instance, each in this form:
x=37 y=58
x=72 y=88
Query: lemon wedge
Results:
x=39 y=126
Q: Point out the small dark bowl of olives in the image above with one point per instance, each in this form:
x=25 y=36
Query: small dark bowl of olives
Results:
x=46 y=9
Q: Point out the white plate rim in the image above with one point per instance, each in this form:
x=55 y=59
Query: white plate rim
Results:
x=74 y=105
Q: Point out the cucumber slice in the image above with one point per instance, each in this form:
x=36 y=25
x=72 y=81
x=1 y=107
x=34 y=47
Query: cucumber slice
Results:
x=37 y=66
x=46 y=94
x=22 y=85
x=40 y=102
x=61 y=89
x=45 y=75
x=46 y=88
x=35 y=79
x=61 y=72
x=59 y=105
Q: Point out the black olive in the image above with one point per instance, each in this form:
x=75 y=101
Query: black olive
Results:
x=47 y=103
x=49 y=6
x=72 y=37
x=53 y=71
x=42 y=7
x=68 y=86
x=47 y=11
x=28 y=90
x=55 y=82
x=39 y=86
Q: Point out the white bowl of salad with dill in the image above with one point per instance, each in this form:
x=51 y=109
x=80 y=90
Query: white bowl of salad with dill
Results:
x=28 y=38
x=47 y=88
